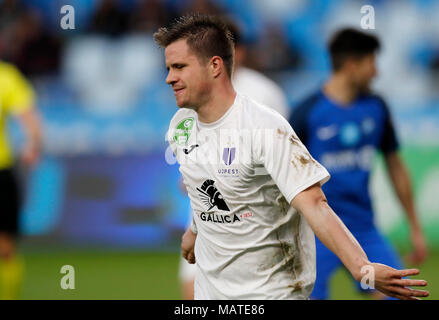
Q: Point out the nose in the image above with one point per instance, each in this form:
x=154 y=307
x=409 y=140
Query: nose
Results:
x=171 y=79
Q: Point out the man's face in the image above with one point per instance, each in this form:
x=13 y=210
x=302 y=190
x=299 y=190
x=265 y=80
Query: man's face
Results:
x=189 y=79
x=362 y=72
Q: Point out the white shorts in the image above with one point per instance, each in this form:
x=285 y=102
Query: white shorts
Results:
x=186 y=270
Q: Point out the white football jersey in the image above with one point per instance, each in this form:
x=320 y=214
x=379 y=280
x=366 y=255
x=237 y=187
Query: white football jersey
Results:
x=241 y=173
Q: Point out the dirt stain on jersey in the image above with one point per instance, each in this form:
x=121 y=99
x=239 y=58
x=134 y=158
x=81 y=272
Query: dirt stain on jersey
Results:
x=294 y=164
x=289 y=254
x=298 y=286
x=281 y=132
x=294 y=140
x=297 y=243
x=303 y=160
x=302 y=157
x=284 y=205
x=286 y=256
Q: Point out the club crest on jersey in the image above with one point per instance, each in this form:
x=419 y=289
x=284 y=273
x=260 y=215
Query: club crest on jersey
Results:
x=229 y=155
x=211 y=197
x=183 y=131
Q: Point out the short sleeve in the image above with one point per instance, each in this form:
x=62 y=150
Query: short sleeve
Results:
x=288 y=161
x=19 y=96
x=389 y=141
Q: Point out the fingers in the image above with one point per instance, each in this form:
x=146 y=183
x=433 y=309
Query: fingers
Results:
x=407 y=292
x=184 y=254
x=392 y=283
x=409 y=283
x=406 y=273
x=397 y=296
x=187 y=246
x=189 y=256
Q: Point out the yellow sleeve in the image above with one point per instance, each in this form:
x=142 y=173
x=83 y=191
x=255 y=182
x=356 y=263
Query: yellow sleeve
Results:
x=19 y=96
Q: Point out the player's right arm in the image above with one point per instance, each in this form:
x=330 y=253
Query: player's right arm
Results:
x=189 y=237
x=334 y=234
x=400 y=179
x=188 y=245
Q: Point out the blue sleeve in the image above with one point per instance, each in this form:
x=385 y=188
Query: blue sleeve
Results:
x=389 y=141
x=299 y=118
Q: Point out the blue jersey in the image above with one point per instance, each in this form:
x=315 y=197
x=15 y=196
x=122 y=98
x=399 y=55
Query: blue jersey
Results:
x=345 y=141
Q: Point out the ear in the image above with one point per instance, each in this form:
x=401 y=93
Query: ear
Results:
x=216 y=66
x=352 y=63
x=349 y=64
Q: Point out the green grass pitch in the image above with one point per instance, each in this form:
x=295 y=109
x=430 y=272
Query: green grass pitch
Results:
x=103 y=274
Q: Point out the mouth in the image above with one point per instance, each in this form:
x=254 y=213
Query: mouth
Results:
x=178 y=91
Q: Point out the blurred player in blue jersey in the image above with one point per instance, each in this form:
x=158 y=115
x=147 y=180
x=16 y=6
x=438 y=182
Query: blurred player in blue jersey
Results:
x=344 y=125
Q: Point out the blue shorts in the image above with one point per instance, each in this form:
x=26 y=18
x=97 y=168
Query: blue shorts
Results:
x=376 y=247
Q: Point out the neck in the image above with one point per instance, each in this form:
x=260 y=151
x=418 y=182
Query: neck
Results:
x=340 y=89
x=221 y=99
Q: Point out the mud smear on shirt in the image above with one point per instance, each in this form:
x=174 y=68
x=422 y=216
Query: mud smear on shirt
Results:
x=295 y=266
x=294 y=140
x=287 y=257
x=284 y=205
x=302 y=157
x=298 y=286
x=291 y=257
x=282 y=132
x=302 y=160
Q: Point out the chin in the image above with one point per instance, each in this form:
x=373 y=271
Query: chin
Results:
x=181 y=104
x=186 y=105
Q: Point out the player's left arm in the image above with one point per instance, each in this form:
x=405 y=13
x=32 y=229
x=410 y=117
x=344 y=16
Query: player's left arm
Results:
x=401 y=182
x=334 y=234
x=329 y=228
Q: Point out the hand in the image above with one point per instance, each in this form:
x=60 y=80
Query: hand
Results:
x=420 y=250
x=188 y=245
x=30 y=155
x=389 y=281
x=182 y=186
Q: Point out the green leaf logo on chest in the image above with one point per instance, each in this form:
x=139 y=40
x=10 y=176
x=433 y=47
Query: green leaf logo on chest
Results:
x=183 y=131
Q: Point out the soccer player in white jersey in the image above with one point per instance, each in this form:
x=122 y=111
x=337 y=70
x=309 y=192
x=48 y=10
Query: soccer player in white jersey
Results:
x=254 y=188
x=258 y=87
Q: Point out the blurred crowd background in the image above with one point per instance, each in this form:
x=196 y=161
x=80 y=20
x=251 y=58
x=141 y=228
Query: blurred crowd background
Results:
x=103 y=179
